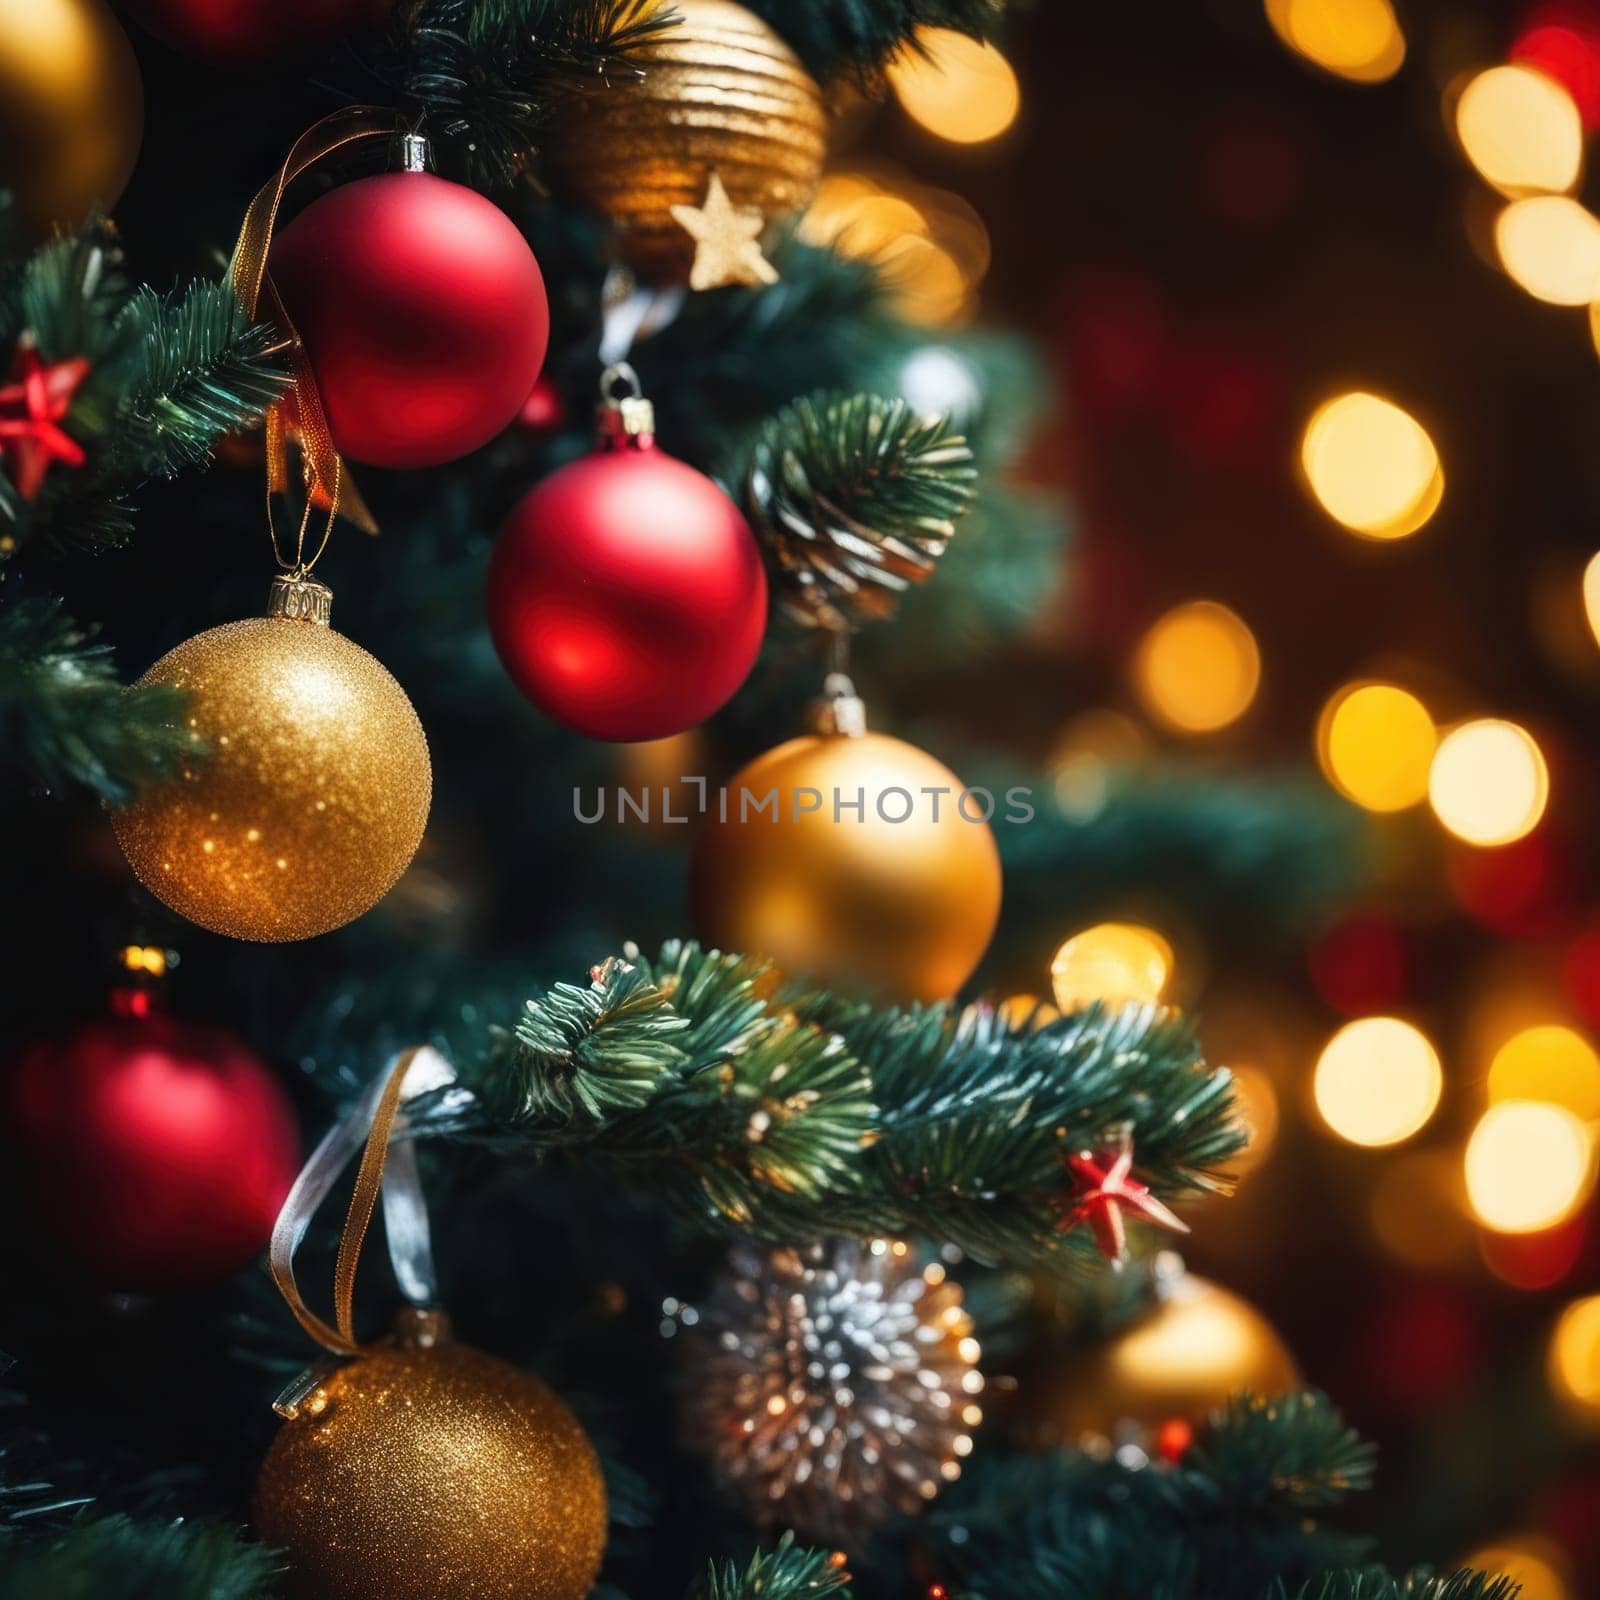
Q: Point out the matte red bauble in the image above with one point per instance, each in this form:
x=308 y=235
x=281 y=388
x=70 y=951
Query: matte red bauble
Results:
x=156 y=1154
x=246 y=33
x=422 y=310
x=626 y=595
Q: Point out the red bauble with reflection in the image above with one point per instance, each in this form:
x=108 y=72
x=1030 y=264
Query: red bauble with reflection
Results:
x=626 y=594
x=155 y=1154
x=423 y=313
x=257 y=33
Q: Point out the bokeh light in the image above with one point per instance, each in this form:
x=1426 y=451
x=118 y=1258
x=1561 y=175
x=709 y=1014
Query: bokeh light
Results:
x=1552 y=1063
x=1573 y=1363
x=1378 y=1080
x=1355 y=39
x=1591 y=573
x=1113 y=962
x=1550 y=246
x=1488 y=783
x=1375 y=742
x=1198 y=668
x=1418 y=1205
x=1562 y=39
x=1256 y=1100
x=1371 y=465
x=1536 y=1563
x=958 y=88
x=1528 y=1166
x=1521 y=130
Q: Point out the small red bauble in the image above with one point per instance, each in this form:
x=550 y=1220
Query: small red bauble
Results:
x=155 y=1153
x=246 y=33
x=626 y=594
x=422 y=310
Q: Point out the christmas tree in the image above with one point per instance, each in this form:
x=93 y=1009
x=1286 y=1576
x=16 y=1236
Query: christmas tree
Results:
x=627 y=847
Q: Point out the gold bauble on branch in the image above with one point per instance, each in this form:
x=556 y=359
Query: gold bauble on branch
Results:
x=428 y=1469
x=721 y=94
x=314 y=794
x=71 y=109
x=1199 y=1346
x=865 y=869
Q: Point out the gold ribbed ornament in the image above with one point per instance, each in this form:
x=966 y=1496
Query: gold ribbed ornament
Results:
x=721 y=93
x=430 y=1469
x=71 y=109
x=314 y=794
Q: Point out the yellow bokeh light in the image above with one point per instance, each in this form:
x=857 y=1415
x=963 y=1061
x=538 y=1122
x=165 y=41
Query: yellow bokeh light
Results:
x=1356 y=39
x=1198 y=667
x=1114 y=962
x=956 y=87
x=1488 y=783
x=1521 y=130
x=1552 y=1063
x=1537 y=1564
x=1573 y=1363
x=1376 y=742
x=1591 y=586
x=1257 y=1101
x=1550 y=246
x=1371 y=465
x=1529 y=1165
x=1378 y=1080
x=1417 y=1206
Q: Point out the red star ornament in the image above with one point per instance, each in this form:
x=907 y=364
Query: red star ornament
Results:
x=32 y=407
x=1103 y=1189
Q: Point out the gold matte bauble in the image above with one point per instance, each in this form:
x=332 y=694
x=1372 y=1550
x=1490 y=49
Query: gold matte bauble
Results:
x=415 y=1474
x=1201 y=1345
x=71 y=109
x=721 y=93
x=314 y=794
x=903 y=909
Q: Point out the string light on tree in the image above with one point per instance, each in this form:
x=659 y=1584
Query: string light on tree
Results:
x=1371 y=465
x=1356 y=39
x=1375 y=743
x=1488 y=783
x=1529 y=1165
x=1377 y=1081
x=958 y=88
x=1549 y=1062
x=1198 y=667
x=1113 y=963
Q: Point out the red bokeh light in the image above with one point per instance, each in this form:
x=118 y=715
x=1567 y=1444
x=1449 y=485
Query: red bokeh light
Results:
x=1360 y=966
x=1563 y=40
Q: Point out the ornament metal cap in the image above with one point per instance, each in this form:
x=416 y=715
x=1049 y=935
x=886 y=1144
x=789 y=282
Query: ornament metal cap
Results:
x=413 y=153
x=625 y=417
x=841 y=712
x=300 y=599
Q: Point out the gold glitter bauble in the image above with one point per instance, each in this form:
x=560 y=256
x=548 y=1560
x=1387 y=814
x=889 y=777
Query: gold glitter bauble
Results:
x=313 y=798
x=1201 y=1345
x=721 y=93
x=904 y=909
x=71 y=109
x=415 y=1474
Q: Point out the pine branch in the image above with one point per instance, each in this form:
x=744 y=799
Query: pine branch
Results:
x=1371 y=1583
x=487 y=73
x=66 y=718
x=1294 y=1451
x=116 y=1558
x=857 y=37
x=855 y=498
x=795 y=1117
x=786 y=1572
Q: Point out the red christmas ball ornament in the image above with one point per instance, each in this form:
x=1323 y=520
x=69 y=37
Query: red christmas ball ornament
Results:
x=626 y=594
x=155 y=1153
x=422 y=310
x=246 y=33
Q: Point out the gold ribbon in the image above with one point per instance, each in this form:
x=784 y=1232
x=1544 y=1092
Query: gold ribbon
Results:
x=369 y=1181
x=297 y=419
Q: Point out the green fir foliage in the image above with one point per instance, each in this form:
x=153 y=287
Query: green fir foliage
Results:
x=855 y=498
x=857 y=37
x=786 y=1572
x=118 y=1558
x=65 y=719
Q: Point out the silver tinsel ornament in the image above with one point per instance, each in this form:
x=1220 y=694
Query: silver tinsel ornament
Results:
x=833 y=1387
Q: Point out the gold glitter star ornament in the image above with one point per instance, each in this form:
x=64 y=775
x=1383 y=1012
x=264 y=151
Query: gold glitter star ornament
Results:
x=727 y=241
x=312 y=794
